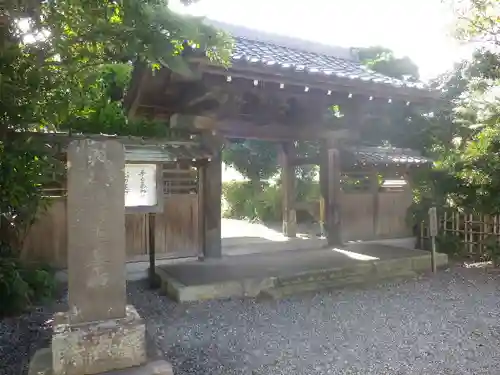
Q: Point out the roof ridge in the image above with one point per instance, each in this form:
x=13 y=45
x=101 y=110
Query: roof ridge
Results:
x=303 y=45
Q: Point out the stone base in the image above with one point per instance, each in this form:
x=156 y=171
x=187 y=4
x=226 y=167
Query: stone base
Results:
x=96 y=347
x=41 y=364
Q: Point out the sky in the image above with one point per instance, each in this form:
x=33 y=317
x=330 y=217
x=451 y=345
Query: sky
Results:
x=419 y=29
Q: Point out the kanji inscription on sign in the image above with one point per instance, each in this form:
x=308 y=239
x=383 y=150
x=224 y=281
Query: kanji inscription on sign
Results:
x=140 y=185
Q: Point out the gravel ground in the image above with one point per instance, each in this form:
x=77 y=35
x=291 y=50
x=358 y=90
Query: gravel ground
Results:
x=447 y=324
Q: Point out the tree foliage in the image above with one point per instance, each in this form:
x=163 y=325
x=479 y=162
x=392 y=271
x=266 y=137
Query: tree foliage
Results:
x=254 y=159
x=66 y=67
x=478 y=21
x=383 y=60
x=465 y=138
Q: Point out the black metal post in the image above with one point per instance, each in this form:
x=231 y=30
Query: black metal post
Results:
x=152 y=252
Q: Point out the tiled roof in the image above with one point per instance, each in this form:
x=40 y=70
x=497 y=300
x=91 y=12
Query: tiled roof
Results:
x=277 y=51
x=384 y=155
x=251 y=51
x=166 y=153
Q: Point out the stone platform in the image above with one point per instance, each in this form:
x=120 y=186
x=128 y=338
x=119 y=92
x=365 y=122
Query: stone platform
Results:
x=283 y=273
x=41 y=364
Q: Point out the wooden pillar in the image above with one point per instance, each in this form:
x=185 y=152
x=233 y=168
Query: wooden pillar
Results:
x=330 y=191
x=374 y=189
x=288 y=185
x=212 y=198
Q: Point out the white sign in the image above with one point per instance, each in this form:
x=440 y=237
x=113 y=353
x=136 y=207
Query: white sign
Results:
x=140 y=185
x=433 y=224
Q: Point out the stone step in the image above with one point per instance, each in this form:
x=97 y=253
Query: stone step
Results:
x=278 y=281
x=336 y=282
x=326 y=275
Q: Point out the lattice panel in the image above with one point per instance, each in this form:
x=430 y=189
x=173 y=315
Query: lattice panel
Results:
x=179 y=180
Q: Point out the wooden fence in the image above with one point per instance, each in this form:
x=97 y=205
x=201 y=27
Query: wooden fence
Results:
x=366 y=214
x=176 y=232
x=464 y=233
x=369 y=215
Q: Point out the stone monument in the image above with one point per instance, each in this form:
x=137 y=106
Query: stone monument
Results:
x=100 y=332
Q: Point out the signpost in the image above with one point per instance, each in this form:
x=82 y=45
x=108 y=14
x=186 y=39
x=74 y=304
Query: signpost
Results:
x=433 y=231
x=143 y=193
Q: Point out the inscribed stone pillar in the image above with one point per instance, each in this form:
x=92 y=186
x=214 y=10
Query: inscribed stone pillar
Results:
x=96 y=230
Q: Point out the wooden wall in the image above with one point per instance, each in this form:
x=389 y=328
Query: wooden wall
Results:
x=365 y=217
x=46 y=240
x=176 y=228
x=393 y=208
x=176 y=234
x=357 y=210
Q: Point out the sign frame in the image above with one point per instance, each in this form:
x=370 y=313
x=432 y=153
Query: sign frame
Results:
x=158 y=207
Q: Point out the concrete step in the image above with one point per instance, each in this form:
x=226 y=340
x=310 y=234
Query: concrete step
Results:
x=287 y=273
x=360 y=274
x=313 y=284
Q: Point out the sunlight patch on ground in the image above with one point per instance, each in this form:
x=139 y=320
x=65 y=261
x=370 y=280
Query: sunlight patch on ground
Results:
x=233 y=228
x=354 y=255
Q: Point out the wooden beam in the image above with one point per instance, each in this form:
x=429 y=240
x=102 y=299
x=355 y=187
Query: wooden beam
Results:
x=138 y=80
x=310 y=160
x=279 y=133
x=324 y=82
x=65 y=138
x=245 y=129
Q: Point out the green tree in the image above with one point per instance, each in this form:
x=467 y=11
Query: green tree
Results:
x=465 y=136
x=66 y=67
x=254 y=159
x=383 y=60
x=397 y=124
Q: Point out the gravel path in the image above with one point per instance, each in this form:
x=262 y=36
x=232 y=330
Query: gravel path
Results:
x=448 y=324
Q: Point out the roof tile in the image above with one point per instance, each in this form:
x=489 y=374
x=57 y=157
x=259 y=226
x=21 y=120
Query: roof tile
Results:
x=255 y=51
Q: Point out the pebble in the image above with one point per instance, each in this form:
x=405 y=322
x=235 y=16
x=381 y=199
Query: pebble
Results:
x=437 y=324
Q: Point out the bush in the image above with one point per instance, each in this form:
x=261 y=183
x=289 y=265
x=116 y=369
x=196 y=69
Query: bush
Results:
x=22 y=285
x=245 y=200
